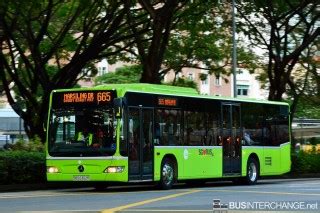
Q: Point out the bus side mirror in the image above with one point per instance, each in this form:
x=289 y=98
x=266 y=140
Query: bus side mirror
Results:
x=118 y=103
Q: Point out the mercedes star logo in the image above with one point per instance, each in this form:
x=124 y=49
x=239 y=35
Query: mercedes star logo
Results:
x=80 y=168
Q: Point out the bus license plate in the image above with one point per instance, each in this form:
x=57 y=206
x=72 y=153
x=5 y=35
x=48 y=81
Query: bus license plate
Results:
x=81 y=178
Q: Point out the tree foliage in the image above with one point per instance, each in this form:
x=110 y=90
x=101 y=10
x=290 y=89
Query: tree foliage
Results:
x=122 y=75
x=203 y=40
x=182 y=82
x=52 y=44
x=308 y=107
x=150 y=48
x=198 y=37
x=285 y=30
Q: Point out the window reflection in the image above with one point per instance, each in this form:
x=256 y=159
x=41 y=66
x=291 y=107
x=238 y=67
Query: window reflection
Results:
x=82 y=133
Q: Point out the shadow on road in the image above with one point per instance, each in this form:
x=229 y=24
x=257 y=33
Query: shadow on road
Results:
x=84 y=187
x=185 y=185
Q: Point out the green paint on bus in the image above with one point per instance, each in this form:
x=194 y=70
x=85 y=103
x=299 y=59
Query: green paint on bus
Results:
x=144 y=132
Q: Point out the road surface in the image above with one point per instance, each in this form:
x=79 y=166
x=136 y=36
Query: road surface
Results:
x=287 y=194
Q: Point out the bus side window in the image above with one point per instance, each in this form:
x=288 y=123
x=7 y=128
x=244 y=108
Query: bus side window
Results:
x=169 y=126
x=212 y=128
x=160 y=117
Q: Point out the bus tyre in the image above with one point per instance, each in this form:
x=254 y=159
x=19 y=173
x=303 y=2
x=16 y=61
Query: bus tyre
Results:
x=252 y=171
x=167 y=174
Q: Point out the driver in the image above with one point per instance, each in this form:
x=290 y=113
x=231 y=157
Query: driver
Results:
x=85 y=136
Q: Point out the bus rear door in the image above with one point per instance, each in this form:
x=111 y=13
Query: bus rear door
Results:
x=231 y=137
x=140 y=137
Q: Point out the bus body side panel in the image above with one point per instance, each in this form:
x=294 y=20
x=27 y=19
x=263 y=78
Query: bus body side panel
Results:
x=246 y=152
x=93 y=170
x=277 y=159
x=160 y=152
x=273 y=160
x=285 y=158
x=193 y=162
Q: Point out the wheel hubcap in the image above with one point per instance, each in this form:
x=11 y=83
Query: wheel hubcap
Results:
x=167 y=174
x=252 y=172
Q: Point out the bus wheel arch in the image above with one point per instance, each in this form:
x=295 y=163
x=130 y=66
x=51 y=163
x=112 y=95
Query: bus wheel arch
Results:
x=168 y=171
x=252 y=169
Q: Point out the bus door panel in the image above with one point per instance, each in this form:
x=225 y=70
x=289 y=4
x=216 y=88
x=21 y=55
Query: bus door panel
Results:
x=146 y=143
x=140 y=137
x=133 y=138
x=231 y=139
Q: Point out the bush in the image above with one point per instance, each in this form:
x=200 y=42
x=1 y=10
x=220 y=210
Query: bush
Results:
x=22 y=167
x=314 y=141
x=306 y=162
x=33 y=145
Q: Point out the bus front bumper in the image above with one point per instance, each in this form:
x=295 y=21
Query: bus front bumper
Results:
x=87 y=170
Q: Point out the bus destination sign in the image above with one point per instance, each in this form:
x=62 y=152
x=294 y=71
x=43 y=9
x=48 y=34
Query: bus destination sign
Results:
x=76 y=97
x=96 y=98
x=172 y=102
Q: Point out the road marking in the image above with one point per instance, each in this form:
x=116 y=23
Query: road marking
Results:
x=168 y=210
x=111 y=210
x=16 y=195
x=59 y=211
x=57 y=194
x=259 y=192
x=11 y=196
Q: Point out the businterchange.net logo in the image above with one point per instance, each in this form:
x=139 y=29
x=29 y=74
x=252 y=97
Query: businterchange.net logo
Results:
x=219 y=207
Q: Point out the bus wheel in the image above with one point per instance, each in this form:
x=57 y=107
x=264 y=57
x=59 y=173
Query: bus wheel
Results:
x=252 y=171
x=167 y=174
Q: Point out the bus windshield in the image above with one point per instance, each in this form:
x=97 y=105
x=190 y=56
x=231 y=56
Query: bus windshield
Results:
x=77 y=132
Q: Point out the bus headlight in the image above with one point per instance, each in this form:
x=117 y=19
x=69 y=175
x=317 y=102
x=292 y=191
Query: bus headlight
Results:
x=52 y=169
x=114 y=169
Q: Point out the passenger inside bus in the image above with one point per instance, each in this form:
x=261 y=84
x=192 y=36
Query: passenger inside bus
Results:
x=99 y=138
x=247 y=138
x=133 y=146
x=147 y=151
x=157 y=134
x=85 y=136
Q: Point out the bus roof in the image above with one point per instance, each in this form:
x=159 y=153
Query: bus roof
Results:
x=174 y=90
x=150 y=88
x=165 y=90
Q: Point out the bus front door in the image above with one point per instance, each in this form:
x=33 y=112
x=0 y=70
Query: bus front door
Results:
x=231 y=137
x=140 y=136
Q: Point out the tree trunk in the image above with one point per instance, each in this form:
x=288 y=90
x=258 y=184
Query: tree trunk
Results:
x=162 y=21
x=150 y=73
x=276 y=92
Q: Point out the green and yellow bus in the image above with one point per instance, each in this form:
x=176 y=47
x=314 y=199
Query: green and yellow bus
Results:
x=141 y=132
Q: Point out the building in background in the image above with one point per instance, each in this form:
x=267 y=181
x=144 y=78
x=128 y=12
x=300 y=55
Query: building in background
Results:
x=247 y=84
x=11 y=127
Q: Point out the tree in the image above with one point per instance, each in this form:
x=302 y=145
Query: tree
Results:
x=52 y=44
x=182 y=82
x=122 y=75
x=162 y=16
x=284 y=29
x=308 y=107
x=1 y=89
x=197 y=37
x=150 y=48
x=202 y=39
x=194 y=41
x=306 y=79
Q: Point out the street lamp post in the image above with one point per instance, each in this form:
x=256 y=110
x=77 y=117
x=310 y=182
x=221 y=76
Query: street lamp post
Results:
x=234 y=51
